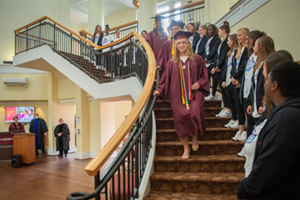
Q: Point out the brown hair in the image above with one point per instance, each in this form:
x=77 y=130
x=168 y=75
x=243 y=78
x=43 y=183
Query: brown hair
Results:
x=225 y=27
x=204 y=27
x=15 y=117
x=265 y=48
x=254 y=35
x=96 y=32
x=272 y=60
x=287 y=54
x=189 y=52
x=245 y=31
x=193 y=25
x=233 y=38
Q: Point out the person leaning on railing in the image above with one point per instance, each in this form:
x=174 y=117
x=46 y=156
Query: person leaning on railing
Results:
x=16 y=126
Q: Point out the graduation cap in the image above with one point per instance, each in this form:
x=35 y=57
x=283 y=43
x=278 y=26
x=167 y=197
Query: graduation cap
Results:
x=177 y=23
x=157 y=19
x=182 y=34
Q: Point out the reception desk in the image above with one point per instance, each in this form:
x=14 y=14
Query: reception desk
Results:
x=24 y=144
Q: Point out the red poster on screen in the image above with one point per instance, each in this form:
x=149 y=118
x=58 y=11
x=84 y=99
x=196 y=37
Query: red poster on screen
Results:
x=10 y=112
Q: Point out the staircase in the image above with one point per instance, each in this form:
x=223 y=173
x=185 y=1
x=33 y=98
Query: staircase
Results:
x=212 y=172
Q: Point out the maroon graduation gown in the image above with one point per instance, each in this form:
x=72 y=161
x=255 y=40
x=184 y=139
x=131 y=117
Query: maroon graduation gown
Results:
x=164 y=55
x=156 y=42
x=169 y=85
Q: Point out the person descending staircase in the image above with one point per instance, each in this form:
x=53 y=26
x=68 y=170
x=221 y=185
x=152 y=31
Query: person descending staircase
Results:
x=212 y=172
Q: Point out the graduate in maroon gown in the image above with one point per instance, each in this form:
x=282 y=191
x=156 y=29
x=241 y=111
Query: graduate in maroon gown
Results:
x=186 y=83
x=166 y=51
x=157 y=37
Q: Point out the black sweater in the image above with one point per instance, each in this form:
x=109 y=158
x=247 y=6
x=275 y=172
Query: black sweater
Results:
x=276 y=168
x=239 y=73
x=195 y=40
x=221 y=59
x=201 y=47
x=224 y=70
x=260 y=90
x=213 y=48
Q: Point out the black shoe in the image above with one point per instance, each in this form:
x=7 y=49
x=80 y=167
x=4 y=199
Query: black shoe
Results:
x=60 y=156
x=66 y=155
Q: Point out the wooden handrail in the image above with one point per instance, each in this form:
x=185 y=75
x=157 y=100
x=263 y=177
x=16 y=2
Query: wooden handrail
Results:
x=75 y=34
x=112 y=29
x=103 y=155
x=124 y=25
x=85 y=33
x=182 y=7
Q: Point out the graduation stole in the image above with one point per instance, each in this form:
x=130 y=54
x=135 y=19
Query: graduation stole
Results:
x=186 y=97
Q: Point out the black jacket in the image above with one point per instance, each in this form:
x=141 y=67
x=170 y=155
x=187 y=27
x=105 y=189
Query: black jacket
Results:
x=201 y=47
x=260 y=90
x=224 y=71
x=213 y=48
x=220 y=59
x=65 y=137
x=99 y=43
x=276 y=168
x=239 y=73
x=195 y=40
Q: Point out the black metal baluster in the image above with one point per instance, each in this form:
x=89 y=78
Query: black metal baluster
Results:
x=97 y=183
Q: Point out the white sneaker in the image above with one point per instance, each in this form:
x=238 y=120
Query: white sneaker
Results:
x=237 y=136
x=243 y=137
x=234 y=124
x=209 y=97
x=229 y=123
x=241 y=153
x=225 y=114
x=220 y=113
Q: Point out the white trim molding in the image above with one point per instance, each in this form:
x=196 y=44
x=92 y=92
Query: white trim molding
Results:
x=240 y=11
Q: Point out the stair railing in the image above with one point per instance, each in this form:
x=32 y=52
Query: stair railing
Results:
x=125 y=29
x=118 y=60
x=130 y=56
x=191 y=13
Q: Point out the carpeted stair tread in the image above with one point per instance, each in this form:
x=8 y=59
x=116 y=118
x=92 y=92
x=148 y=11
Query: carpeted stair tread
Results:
x=159 y=195
x=215 y=177
x=200 y=158
x=208 y=118
x=207 y=130
x=201 y=143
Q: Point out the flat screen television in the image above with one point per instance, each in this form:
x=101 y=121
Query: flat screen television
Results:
x=25 y=114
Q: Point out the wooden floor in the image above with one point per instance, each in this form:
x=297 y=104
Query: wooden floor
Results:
x=49 y=178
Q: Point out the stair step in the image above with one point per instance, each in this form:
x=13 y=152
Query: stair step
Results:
x=158 y=195
x=210 y=134
x=214 y=147
x=168 y=123
x=167 y=112
x=211 y=103
x=202 y=182
x=199 y=163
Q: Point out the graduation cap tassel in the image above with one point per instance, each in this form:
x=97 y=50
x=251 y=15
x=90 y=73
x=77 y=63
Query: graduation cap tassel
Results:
x=173 y=48
x=154 y=23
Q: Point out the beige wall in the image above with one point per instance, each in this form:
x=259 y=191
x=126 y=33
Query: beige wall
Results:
x=121 y=18
x=276 y=18
x=66 y=89
x=215 y=9
x=36 y=90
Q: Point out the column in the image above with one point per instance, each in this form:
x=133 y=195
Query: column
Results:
x=82 y=124
x=95 y=15
x=148 y=9
x=52 y=95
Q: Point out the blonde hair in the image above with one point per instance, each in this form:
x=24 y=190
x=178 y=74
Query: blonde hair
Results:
x=189 y=52
x=245 y=31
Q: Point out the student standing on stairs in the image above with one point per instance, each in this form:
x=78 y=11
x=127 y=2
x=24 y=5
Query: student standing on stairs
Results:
x=219 y=70
x=237 y=76
x=185 y=82
x=276 y=169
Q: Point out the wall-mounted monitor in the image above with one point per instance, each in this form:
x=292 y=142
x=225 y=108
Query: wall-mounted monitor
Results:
x=25 y=114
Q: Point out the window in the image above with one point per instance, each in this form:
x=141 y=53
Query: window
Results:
x=166 y=21
x=177 y=5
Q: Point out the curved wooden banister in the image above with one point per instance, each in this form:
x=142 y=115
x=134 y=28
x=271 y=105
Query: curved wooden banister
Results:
x=182 y=7
x=103 y=155
x=124 y=25
x=74 y=33
x=85 y=33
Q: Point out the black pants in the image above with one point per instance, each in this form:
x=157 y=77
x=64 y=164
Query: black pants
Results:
x=61 y=145
x=239 y=106
x=250 y=120
x=216 y=77
x=231 y=101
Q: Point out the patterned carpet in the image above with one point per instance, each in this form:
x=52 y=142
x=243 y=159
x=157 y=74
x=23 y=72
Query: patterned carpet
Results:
x=211 y=173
